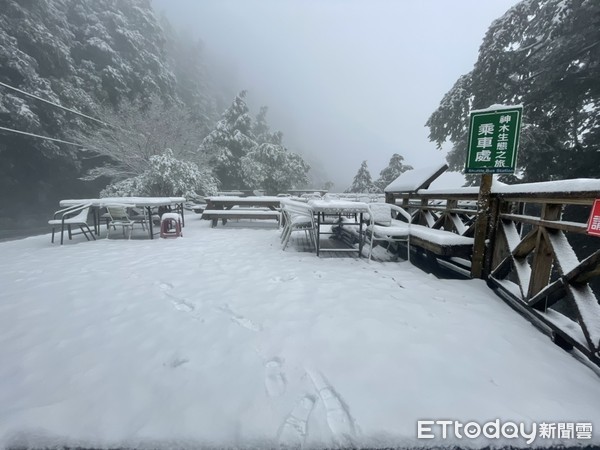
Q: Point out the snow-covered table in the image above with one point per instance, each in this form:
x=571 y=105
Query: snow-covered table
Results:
x=339 y=208
x=147 y=203
x=231 y=207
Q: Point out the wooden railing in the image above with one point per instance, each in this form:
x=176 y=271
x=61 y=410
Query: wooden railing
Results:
x=545 y=266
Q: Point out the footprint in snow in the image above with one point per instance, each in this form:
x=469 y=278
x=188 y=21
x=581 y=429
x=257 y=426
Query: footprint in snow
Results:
x=165 y=286
x=340 y=421
x=181 y=304
x=283 y=279
x=275 y=382
x=240 y=320
x=294 y=429
x=246 y=323
x=318 y=274
x=176 y=361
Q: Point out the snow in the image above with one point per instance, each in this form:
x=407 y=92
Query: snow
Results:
x=413 y=180
x=439 y=237
x=221 y=339
x=589 y=310
x=496 y=107
x=238 y=211
x=455 y=191
x=138 y=201
x=567 y=259
x=334 y=206
x=572 y=328
x=574 y=185
x=240 y=200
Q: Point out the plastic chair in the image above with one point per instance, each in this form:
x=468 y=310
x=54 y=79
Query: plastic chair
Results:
x=118 y=217
x=297 y=216
x=384 y=227
x=73 y=215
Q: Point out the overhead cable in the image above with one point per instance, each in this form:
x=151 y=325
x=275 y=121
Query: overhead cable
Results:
x=39 y=136
x=55 y=104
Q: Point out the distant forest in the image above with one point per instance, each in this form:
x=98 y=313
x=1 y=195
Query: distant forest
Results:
x=544 y=55
x=155 y=105
x=160 y=107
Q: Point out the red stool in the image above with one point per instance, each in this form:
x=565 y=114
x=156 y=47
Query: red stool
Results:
x=170 y=225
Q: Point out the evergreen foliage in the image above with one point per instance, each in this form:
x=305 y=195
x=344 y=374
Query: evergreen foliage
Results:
x=245 y=154
x=166 y=176
x=362 y=181
x=272 y=168
x=394 y=169
x=544 y=54
x=91 y=56
x=230 y=140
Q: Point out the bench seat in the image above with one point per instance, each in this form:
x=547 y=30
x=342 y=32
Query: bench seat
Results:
x=238 y=213
x=440 y=242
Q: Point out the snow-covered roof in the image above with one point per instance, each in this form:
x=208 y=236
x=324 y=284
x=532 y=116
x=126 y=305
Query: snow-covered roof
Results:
x=457 y=191
x=137 y=201
x=416 y=179
x=239 y=200
x=575 y=185
x=496 y=107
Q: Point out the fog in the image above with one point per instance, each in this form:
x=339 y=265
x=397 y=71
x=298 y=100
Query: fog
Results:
x=347 y=80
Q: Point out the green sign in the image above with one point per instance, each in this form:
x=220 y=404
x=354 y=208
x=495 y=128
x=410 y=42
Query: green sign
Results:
x=493 y=140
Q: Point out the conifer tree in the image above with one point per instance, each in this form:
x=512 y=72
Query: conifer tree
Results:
x=392 y=171
x=363 y=181
x=544 y=55
x=231 y=140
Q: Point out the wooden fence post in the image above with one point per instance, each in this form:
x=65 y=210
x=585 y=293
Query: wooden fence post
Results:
x=390 y=198
x=541 y=266
x=481 y=227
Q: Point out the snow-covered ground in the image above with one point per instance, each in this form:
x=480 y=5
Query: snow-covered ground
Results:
x=220 y=338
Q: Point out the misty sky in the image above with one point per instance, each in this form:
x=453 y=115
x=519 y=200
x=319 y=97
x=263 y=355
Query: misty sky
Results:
x=344 y=80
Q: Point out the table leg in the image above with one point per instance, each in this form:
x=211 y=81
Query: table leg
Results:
x=182 y=217
x=318 y=233
x=151 y=231
x=96 y=214
x=360 y=236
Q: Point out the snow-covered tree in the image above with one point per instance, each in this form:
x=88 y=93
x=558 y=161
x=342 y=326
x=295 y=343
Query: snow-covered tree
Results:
x=135 y=133
x=394 y=169
x=544 y=54
x=262 y=131
x=85 y=55
x=362 y=181
x=272 y=168
x=229 y=142
x=166 y=176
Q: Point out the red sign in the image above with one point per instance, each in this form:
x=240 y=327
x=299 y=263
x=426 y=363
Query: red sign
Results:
x=594 y=222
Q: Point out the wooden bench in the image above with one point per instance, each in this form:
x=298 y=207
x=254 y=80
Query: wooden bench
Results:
x=441 y=242
x=238 y=213
x=227 y=207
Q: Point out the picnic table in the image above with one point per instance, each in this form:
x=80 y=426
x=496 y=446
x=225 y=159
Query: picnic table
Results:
x=146 y=203
x=325 y=210
x=233 y=207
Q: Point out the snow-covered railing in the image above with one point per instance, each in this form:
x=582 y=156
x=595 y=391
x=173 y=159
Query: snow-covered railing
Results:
x=547 y=265
x=536 y=251
x=452 y=210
